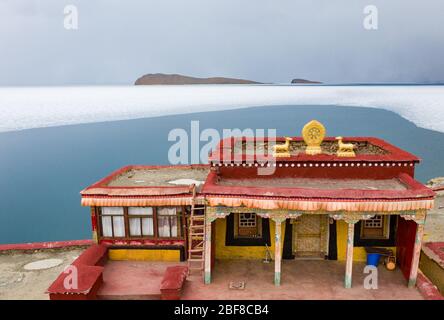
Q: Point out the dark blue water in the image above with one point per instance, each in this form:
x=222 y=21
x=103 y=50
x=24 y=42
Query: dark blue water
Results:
x=43 y=170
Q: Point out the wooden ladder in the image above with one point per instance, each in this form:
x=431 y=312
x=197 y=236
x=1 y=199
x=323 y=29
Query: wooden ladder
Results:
x=196 y=237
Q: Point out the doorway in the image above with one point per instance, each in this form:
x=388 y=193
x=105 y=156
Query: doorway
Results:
x=310 y=236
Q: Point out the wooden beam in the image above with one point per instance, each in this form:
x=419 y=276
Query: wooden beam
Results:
x=207 y=255
x=416 y=255
x=349 y=261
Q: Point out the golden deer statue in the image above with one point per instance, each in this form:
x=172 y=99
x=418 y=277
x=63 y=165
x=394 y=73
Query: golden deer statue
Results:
x=345 y=149
x=282 y=150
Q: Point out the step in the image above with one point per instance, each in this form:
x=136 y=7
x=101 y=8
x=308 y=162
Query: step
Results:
x=195 y=260
x=196 y=250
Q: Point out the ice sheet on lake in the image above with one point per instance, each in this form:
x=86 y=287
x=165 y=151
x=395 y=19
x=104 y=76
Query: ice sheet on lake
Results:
x=34 y=107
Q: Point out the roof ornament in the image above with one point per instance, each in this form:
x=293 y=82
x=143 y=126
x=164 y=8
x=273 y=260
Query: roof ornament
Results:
x=282 y=150
x=313 y=134
x=345 y=149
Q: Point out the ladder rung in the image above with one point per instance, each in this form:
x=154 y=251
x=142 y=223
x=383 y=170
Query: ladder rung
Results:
x=196 y=250
x=195 y=260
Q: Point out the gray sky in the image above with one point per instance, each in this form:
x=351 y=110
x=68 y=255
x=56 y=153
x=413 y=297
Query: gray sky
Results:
x=262 y=40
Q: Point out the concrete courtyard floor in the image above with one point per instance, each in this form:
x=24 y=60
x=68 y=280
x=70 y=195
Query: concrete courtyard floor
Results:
x=20 y=284
x=301 y=279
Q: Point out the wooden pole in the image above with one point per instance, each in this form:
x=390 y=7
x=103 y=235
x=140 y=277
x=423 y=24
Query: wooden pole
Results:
x=277 y=252
x=416 y=255
x=207 y=255
x=95 y=237
x=349 y=262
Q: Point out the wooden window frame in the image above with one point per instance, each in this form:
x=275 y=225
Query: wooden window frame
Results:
x=179 y=218
x=385 y=229
x=140 y=217
x=180 y=215
x=257 y=227
x=100 y=227
x=232 y=240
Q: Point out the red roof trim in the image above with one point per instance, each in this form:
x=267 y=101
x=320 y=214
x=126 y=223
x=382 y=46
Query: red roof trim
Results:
x=394 y=153
x=415 y=191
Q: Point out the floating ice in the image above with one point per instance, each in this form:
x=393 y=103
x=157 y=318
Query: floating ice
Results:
x=34 y=107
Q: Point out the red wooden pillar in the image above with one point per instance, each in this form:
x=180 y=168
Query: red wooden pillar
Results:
x=94 y=225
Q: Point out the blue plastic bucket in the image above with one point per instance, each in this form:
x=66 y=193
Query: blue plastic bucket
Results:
x=373 y=259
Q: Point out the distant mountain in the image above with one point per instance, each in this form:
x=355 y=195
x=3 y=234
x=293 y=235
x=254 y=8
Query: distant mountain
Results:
x=303 y=81
x=160 y=78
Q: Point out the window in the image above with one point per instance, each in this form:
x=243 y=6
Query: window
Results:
x=113 y=222
x=247 y=229
x=247 y=225
x=377 y=227
x=169 y=222
x=141 y=221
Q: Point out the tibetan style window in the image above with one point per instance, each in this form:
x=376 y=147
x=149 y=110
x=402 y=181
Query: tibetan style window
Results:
x=247 y=229
x=248 y=225
x=113 y=222
x=377 y=227
x=169 y=222
x=141 y=221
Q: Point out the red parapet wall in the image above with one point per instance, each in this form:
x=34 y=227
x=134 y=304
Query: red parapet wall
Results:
x=89 y=269
x=45 y=245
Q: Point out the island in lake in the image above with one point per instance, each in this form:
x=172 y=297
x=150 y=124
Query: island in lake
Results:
x=175 y=79
x=304 y=81
x=160 y=78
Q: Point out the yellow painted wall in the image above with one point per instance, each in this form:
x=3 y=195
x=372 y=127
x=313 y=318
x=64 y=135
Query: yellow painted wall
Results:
x=243 y=252
x=359 y=253
x=144 y=254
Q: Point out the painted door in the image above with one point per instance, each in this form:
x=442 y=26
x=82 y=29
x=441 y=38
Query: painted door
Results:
x=405 y=241
x=309 y=236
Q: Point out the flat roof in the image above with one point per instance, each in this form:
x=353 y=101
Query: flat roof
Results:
x=255 y=148
x=159 y=176
x=401 y=187
x=150 y=181
x=316 y=183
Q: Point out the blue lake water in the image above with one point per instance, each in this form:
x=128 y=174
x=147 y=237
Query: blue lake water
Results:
x=43 y=170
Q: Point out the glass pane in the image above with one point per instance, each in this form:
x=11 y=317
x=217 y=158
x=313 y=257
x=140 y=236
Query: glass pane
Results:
x=173 y=226
x=119 y=226
x=140 y=211
x=106 y=227
x=112 y=211
x=163 y=226
x=147 y=227
x=167 y=211
x=134 y=225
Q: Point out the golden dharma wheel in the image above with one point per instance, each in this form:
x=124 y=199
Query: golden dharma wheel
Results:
x=313 y=134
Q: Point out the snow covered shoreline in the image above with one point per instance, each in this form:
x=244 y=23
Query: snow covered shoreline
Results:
x=35 y=107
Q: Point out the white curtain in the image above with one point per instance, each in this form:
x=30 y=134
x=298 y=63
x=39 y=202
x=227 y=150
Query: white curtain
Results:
x=107 y=227
x=147 y=223
x=164 y=216
x=115 y=213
